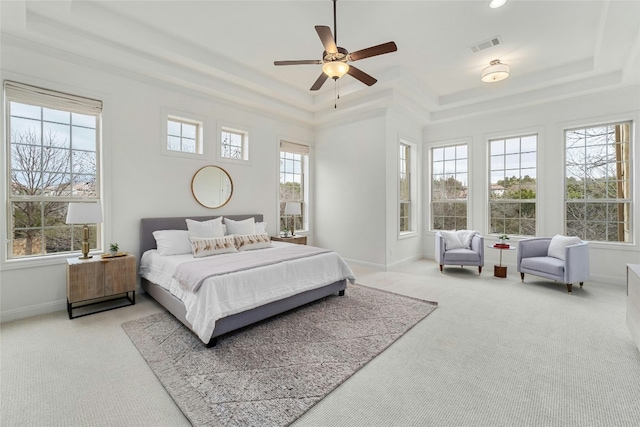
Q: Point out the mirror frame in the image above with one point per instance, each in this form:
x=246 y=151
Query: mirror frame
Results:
x=200 y=172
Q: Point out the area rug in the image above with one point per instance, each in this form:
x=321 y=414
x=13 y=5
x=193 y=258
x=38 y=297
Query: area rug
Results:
x=270 y=373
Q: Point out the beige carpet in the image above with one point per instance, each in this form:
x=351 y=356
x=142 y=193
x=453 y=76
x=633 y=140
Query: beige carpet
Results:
x=270 y=373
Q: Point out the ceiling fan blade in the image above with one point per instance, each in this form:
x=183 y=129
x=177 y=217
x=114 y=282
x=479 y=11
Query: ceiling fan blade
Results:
x=361 y=75
x=373 y=51
x=327 y=38
x=302 y=62
x=318 y=84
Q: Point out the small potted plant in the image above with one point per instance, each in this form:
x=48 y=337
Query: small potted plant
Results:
x=503 y=241
x=113 y=249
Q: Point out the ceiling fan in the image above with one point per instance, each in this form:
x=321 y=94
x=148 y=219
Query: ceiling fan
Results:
x=334 y=58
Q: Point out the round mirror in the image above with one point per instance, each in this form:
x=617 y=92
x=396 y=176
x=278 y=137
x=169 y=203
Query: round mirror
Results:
x=212 y=187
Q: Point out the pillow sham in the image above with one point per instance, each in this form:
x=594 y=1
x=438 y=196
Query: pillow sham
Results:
x=172 y=242
x=248 y=242
x=261 y=227
x=246 y=226
x=201 y=247
x=209 y=228
x=558 y=245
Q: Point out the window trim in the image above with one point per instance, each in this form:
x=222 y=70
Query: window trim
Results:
x=520 y=133
x=413 y=190
x=246 y=143
x=69 y=103
x=605 y=121
x=429 y=154
x=306 y=149
x=167 y=114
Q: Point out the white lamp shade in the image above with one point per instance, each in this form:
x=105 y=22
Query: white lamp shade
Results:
x=84 y=213
x=292 y=208
x=495 y=72
x=335 y=69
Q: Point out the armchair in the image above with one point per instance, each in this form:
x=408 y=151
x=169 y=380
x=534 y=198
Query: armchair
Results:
x=565 y=261
x=474 y=255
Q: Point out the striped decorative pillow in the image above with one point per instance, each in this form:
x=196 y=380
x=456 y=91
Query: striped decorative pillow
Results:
x=208 y=246
x=247 y=242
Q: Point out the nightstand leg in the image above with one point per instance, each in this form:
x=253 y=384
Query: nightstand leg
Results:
x=69 y=308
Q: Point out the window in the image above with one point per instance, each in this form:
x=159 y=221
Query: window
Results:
x=406 y=188
x=294 y=162
x=598 y=182
x=184 y=135
x=234 y=144
x=449 y=185
x=53 y=154
x=513 y=187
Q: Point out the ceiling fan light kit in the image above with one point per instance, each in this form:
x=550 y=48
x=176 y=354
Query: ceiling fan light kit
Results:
x=497 y=3
x=495 y=72
x=335 y=69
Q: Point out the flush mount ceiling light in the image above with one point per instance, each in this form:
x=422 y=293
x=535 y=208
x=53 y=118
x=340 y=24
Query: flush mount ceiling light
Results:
x=497 y=3
x=335 y=69
x=495 y=72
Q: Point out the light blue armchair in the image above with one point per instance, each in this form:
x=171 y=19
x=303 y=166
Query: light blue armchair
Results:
x=534 y=258
x=472 y=256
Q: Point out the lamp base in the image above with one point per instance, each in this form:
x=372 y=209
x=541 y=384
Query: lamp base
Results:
x=85 y=257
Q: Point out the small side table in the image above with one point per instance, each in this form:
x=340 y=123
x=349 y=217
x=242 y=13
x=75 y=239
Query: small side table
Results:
x=299 y=240
x=501 y=270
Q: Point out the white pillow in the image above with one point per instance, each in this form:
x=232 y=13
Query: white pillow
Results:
x=451 y=240
x=466 y=236
x=559 y=243
x=208 y=246
x=172 y=242
x=246 y=226
x=249 y=242
x=261 y=227
x=210 y=228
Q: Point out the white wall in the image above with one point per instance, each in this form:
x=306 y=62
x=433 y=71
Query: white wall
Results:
x=549 y=120
x=350 y=188
x=139 y=180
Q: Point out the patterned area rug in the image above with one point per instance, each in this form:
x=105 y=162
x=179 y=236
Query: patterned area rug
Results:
x=270 y=373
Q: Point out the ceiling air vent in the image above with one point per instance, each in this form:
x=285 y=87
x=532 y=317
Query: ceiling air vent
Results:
x=493 y=41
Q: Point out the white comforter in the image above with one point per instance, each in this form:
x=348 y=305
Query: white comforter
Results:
x=224 y=295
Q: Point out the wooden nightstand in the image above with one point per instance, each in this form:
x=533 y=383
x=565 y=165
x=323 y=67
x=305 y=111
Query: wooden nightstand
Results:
x=299 y=240
x=98 y=277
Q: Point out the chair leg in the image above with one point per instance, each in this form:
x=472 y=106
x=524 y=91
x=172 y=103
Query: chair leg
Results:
x=479 y=269
x=581 y=283
x=440 y=268
x=569 y=287
x=522 y=277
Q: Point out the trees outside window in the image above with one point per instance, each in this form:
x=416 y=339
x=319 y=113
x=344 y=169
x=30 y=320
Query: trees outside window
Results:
x=598 y=182
x=449 y=186
x=513 y=185
x=234 y=144
x=53 y=159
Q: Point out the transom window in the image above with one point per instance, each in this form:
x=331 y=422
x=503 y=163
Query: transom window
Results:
x=184 y=135
x=449 y=187
x=234 y=144
x=598 y=196
x=53 y=159
x=513 y=185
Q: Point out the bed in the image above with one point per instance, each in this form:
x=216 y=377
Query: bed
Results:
x=192 y=308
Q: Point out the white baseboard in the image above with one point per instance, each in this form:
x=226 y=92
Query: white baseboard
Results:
x=33 y=310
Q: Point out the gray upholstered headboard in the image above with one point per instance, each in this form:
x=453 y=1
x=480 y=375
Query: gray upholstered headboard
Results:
x=149 y=225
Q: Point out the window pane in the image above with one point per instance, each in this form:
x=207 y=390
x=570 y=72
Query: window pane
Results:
x=597 y=196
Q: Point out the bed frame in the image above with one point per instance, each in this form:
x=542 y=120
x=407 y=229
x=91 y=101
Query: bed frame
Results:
x=235 y=321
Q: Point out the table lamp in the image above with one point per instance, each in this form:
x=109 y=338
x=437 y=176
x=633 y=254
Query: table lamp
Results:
x=293 y=208
x=84 y=213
